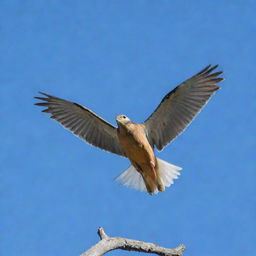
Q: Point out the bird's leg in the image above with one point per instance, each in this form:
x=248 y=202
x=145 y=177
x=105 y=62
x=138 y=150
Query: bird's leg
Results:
x=152 y=166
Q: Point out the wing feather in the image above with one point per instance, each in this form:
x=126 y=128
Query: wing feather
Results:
x=180 y=106
x=82 y=122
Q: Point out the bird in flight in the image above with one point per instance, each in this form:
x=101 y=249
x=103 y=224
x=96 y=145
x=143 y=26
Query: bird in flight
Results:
x=137 y=141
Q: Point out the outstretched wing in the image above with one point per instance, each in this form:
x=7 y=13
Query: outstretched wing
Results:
x=179 y=107
x=83 y=123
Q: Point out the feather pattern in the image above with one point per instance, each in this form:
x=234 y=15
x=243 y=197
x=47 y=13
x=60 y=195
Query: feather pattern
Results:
x=180 y=106
x=82 y=122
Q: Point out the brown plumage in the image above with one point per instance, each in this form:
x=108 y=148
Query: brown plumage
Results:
x=135 y=144
x=137 y=141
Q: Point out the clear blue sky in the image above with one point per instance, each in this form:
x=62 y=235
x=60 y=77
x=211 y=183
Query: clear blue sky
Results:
x=56 y=190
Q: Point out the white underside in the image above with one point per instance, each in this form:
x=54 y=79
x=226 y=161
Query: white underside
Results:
x=131 y=178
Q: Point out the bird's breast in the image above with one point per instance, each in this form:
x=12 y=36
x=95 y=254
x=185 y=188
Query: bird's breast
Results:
x=135 y=144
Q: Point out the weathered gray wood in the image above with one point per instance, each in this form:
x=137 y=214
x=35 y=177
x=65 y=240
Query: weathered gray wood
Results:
x=107 y=244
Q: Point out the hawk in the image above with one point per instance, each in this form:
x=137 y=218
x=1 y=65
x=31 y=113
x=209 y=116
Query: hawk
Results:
x=137 y=141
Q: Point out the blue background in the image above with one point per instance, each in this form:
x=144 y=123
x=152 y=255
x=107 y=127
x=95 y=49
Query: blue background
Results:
x=123 y=57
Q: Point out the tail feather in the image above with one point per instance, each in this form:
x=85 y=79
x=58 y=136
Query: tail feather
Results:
x=133 y=179
x=168 y=172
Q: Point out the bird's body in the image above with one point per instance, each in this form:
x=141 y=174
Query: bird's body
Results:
x=137 y=141
x=136 y=147
x=133 y=139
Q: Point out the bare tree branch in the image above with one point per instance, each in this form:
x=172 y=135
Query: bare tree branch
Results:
x=107 y=244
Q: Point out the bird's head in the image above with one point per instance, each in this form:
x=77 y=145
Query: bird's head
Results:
x=122 y=119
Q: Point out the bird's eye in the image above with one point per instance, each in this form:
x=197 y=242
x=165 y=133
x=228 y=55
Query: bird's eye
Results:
x=124 y=117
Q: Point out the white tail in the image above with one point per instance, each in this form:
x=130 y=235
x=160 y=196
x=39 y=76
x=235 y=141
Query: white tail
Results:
x=168 y=172
x=133 y=179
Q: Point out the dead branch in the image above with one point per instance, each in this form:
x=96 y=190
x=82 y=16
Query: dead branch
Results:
x=107 y=244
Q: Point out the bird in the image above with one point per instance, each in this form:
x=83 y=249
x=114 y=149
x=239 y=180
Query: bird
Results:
x=137 y=141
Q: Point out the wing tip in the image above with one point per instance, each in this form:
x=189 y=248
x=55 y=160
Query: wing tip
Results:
x=48 y=96
x=204 y=70
x=41 y=98
x=44 y=103
x=217 y=88
x=45 y=94
x=208 y=69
